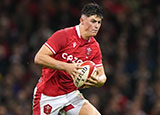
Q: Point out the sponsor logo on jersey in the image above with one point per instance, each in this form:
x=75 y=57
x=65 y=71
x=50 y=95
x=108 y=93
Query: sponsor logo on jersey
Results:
x=71 y=58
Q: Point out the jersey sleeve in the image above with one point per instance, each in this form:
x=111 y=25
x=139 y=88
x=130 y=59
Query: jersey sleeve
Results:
x=98 y=57
x=57 y=41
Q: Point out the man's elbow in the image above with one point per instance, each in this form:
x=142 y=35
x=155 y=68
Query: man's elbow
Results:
x=37 y=59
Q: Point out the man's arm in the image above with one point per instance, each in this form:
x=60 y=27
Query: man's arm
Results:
x=43 y=57
x=101 y=76
x=98 y=80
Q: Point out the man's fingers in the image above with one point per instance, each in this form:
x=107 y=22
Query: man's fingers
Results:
x=92 y=80
x=78 y=71
x=86 y=86
x=73 y=77
x=78 y=66
x=89 y=83
x=74 y=74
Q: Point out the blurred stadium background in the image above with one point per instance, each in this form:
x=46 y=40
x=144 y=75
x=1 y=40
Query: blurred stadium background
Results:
x=130 y=43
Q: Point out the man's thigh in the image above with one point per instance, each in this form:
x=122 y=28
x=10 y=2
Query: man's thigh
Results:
x=88 y=109
x=75 y=103
x=85 y=109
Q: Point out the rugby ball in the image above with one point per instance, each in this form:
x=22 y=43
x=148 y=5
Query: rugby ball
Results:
x=89 y=69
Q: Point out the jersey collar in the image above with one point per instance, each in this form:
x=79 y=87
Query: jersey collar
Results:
x=78 y=33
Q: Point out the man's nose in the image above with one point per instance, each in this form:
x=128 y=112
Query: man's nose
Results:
x=96 y=25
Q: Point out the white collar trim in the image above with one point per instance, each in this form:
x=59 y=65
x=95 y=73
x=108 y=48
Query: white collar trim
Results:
x=78 y=31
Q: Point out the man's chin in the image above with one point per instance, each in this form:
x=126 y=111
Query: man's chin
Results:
x=94 y=34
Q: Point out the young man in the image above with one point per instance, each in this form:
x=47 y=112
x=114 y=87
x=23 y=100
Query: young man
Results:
x=60 y=57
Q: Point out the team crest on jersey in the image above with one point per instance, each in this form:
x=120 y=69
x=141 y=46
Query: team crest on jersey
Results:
x=89 y=50
x=47 y=109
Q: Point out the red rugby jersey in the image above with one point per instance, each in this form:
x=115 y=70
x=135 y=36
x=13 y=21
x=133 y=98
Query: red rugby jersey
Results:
x=68 y=46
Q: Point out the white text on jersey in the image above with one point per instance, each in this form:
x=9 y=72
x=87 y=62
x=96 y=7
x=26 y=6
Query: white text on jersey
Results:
x=71 y=58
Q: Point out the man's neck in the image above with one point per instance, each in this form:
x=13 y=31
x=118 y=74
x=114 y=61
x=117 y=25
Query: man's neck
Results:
x=83 y=33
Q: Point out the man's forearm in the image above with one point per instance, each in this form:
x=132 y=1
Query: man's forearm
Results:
x=49 y=62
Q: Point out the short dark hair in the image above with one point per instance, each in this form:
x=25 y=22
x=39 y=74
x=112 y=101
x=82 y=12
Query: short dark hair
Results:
x=92 y=9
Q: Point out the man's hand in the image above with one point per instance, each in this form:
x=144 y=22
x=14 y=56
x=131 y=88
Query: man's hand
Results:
x=94 y=81
x=98 y=79
x=72 y=69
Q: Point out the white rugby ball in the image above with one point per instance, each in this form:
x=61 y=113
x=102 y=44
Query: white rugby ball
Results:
x=89 y=68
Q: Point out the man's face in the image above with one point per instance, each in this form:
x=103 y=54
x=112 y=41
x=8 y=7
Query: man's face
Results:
x=92 y=25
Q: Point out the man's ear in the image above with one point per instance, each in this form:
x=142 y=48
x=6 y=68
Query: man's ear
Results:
x=82 y=19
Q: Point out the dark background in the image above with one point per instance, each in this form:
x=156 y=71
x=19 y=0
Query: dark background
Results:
x=129 y=40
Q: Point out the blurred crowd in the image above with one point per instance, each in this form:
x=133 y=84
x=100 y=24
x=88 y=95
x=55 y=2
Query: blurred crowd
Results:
x=129 y=40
